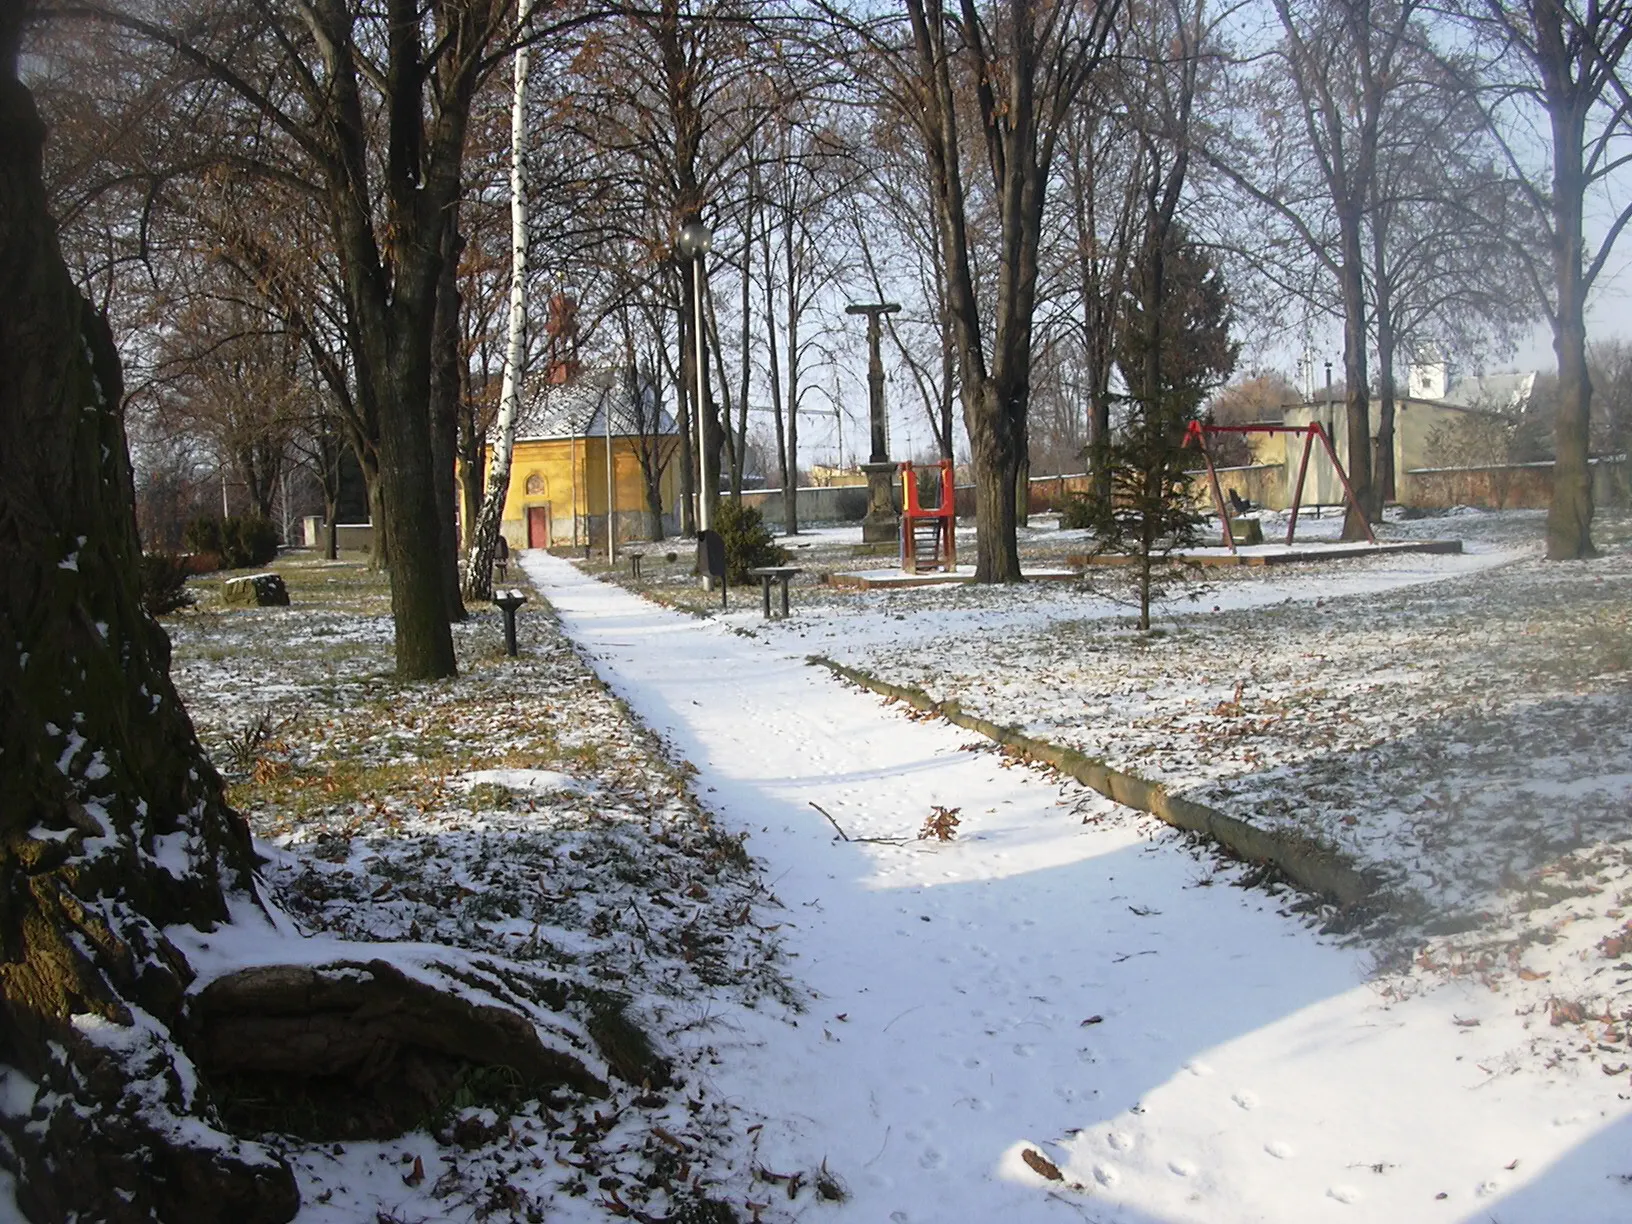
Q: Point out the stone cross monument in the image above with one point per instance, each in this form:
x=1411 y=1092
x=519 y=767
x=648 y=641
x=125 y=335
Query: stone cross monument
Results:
x=883 y=522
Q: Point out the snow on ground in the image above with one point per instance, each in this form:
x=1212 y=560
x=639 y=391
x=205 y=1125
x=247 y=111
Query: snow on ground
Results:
x=846 y=623
x=1456 y=722
x=1461 y=724
x=907 y=1029
x=513 y=821
x=1069 y=980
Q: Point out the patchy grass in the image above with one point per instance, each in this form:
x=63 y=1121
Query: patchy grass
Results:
x=590 y=859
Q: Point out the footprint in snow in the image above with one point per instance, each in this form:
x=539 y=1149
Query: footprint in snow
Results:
x=1119 y=1141
x=931 y=1159
x=1344 y=1194
x=1106 y=1175
x=1280 y=1150
x=1182 y=1168
x=1198 y=1068
x=1246 y=1100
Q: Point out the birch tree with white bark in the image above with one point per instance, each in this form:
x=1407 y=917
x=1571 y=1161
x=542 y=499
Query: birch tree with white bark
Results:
x=484 y=540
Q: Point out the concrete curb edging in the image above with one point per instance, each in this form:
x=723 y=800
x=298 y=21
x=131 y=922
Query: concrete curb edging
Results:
x=1311 y=866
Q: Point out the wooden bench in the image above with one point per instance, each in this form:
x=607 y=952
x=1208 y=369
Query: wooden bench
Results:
x=774 y=573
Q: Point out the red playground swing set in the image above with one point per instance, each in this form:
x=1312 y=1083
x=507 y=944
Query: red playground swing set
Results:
x=1197 y=432
x=929 y=539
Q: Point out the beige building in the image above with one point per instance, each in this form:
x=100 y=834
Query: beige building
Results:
x=1441 y=422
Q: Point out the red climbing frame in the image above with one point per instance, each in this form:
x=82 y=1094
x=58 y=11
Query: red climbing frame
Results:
x=939 y=525
x=1197 y=433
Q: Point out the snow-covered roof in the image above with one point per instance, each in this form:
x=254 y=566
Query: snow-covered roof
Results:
x=579 y=408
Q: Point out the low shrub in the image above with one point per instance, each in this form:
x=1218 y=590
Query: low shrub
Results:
x=748 y=542
x=249 y=541
x=1078 y=511
x=240 y=542
x=164 y=583
x=203 y=535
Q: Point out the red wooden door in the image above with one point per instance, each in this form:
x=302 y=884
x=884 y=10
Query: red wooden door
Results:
x=538 y=526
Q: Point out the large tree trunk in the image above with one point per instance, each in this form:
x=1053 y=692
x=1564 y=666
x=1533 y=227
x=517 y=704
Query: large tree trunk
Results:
x=259 y=467
x=1383 y=457
x=409 y=480
x=1022 y=474
x=996 y=463
x=379 y=557
x=101 y=763
x=1357 y=389
x=447 y=388
x=1569 y=513
x=652 y=484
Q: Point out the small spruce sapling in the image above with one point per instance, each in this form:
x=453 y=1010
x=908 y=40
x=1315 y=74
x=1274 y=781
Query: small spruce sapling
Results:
x=1172 y=346
x=748 y=542
x=1150 y=517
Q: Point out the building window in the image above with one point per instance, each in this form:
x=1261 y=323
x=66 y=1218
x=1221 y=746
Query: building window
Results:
x=535 y=485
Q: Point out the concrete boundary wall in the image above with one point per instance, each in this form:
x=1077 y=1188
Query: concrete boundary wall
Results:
x=1313 y=867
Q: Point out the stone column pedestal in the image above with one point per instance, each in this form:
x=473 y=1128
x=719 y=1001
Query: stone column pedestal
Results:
x=883 y=521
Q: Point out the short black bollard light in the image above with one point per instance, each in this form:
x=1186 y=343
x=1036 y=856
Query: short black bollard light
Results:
x=509 y=601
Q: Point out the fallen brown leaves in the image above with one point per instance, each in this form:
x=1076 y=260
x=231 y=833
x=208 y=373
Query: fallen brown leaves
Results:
x=941 y=824
x=1042 y=1165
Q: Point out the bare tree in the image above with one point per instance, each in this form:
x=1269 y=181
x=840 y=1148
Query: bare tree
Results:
x=229 y=374
x=485 y=534
x=1339 y=63
x=643 y=404
x=1562 y=62
x=109 y=1132
x=1101 y=207
x=909 y=270
x=1018 y=67
x=806 y=172
x=364 y=113
x=671 y=95
x=1440 y=222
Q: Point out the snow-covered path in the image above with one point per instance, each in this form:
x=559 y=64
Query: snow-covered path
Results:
x=1066 y=977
